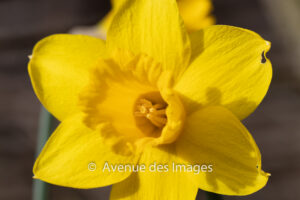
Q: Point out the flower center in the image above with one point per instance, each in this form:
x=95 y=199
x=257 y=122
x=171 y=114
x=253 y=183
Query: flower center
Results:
x=154 y=112
x=150 y=113
x=129 y=112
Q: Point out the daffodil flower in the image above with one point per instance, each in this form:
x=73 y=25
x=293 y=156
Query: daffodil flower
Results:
x=151 y=93
x=196 y=14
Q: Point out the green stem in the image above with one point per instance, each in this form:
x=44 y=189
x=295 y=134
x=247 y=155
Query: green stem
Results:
x=40 y=188
x=213 y=196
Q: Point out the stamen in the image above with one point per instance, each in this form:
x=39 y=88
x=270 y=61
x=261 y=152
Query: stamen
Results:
x=158 y=106
x=146 y=103
x=139 y=114
x=156 y=113
x=158 y=121
x=142 y=109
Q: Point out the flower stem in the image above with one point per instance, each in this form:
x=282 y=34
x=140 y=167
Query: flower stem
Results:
x=213 y=196
x=40 y=188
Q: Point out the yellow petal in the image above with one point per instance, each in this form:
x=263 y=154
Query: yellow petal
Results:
x=75 y=156
x=158 y=183
x=59 y=69
x=153 y=28
x=117 y=3
x=106 y=21
x=227 y=70
x=196 y=13
x=214 y=136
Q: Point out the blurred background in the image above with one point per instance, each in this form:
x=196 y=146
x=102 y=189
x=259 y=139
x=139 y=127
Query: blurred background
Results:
x=275 y=125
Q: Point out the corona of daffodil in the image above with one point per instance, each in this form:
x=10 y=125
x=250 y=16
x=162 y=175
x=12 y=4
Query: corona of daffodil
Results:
x=195 y=14
x=151 y=93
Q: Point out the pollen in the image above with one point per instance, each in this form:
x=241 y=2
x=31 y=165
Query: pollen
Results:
x=154 y=112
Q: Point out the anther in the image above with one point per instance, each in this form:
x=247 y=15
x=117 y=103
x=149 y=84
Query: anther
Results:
x=145 y=102
x=142 y=109
x=152 y=110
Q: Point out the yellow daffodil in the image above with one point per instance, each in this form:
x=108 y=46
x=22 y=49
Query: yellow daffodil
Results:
x=195 y=14
x=152 y=94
